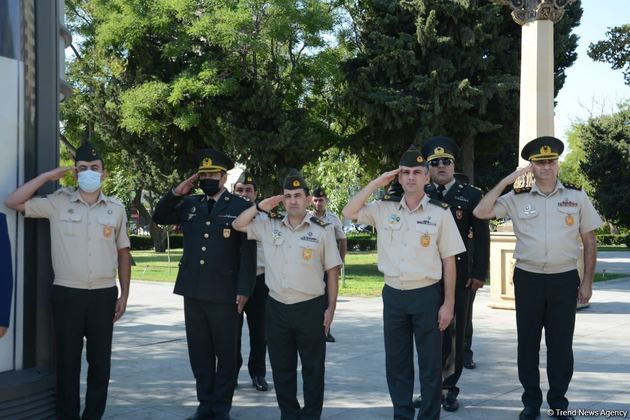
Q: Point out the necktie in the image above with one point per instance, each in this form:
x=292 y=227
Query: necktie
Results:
x=440 y=192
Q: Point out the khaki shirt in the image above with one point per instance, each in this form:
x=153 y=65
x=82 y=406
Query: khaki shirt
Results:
x=548 y=227
x=260 y=253
x=411 y=243
x=85 y=239
x=332 y=219
x=295 y=259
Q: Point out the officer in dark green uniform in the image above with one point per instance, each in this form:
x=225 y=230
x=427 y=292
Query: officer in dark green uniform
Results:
x=216 y=276
x=440 y=152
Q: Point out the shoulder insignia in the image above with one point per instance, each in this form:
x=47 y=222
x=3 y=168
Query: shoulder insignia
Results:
x=319 y=221
x=571 y=186
x=64 y=190
x=395 y=198
x=115 y=201
x=275 y=215
x=438 y=203
x=520 y=190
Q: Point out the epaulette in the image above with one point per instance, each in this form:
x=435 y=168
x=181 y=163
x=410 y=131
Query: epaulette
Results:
x=520 y=190
x=395 y=198
x=319 y=221
x=572 y=186
x=471 y=186
x=275 y=215
x=64 y=190
x=438 y=203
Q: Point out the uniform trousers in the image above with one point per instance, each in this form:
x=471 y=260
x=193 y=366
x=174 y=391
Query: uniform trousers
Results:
x=297 y=329
x=409 y=314
x=453 y=338
x=255 y=311
x=468 y=352
x=545 y=301
x=211 y=332
x=79 y=313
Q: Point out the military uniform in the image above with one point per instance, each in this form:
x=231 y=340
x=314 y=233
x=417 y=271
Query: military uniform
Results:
x=6 y=273
x=255 y=311
x=411 y=245
x=85 y=243
x=296 y=259
x=217 y=264
x=546 y=281
x=462 y=199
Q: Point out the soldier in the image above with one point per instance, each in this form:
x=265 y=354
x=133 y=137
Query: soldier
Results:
x=549 y=220
x=298 y=248
x=216 y=276
x=255 y=306
x=417 y=243
x=89 y=242
x=320 y=202
x=472 y=268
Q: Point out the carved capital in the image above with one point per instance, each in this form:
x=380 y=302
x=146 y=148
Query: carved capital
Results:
x=524 y=11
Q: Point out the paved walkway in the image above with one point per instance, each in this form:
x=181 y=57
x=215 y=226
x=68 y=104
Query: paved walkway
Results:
x=151 y=377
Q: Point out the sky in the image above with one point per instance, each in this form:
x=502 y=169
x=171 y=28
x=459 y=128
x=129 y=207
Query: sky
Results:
x=592 y=88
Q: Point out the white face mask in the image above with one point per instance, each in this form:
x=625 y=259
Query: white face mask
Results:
x=89 y=181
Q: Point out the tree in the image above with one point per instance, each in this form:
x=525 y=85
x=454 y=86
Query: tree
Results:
x=157 y=79
x=570 y=167
x=615 y=50
x=427 y=67
x=606 y=143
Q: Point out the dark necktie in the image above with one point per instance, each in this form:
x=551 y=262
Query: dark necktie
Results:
x=440 y=192
x=211 y=204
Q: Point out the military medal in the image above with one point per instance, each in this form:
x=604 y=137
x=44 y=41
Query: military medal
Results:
x=107 y=231
x=307 y=253
x=569 y=220
x=425 y=240
x=459 y=214
x=226 y=233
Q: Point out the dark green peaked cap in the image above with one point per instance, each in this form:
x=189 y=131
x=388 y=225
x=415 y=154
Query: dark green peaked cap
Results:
x=87 y=153
x=294 y=180
x=412 y=158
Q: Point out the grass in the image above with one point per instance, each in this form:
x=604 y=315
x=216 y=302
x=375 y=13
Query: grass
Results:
x=362 y=278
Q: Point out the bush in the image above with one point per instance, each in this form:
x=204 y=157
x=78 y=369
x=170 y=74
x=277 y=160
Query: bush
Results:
x=142 y=243
x=361 y=242
x=609 y=239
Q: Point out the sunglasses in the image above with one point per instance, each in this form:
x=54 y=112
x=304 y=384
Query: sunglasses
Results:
x=443 y=161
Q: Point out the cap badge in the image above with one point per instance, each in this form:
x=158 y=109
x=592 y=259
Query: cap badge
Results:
x=295 y=183
x=206 y=162
x=438 y=150
x=545 y=150
x=249 y=179
x=419 y=159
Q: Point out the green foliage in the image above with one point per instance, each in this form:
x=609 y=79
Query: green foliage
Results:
x=361 y=242
x=429 y=67
x=139 y=242
x=605 y=140
x=570 y=167
x=608 y=239
x=615 y=50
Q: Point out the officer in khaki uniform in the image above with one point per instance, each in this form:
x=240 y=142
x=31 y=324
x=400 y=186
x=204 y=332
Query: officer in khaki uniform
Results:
x=89 y=242
x=245 y=186
x=417 y=243
x=320 y=202
x=550 y=218
x=472 y=265
x=216 y=277
x=298 y=249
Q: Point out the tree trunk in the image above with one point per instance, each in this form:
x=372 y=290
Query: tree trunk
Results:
x=157 y=233
x=467 y=156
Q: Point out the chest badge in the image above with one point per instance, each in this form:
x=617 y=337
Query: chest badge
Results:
x=569 y=220
x=107 y=231
x=307 y=253
x=425 y=240
x=459 y=214
x=226 y=233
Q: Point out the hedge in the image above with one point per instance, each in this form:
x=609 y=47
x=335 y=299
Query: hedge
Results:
x=361 y=242
x=609 y=239
x=140 y=243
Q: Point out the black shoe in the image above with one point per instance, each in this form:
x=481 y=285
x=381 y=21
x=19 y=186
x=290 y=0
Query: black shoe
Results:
x=199 y=416
x=259 y=383
x=529 y=413
x=330 y=338
x=417 y=402
x=469 y=363
x=450 y=403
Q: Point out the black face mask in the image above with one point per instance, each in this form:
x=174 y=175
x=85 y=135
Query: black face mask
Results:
x=209 y=186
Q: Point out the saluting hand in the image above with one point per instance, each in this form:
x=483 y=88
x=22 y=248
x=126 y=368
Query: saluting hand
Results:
x=185 y=187
x=58 y=173
x=517 y=173
x=269 y=203
x=241 y=300
x=445 y=316
x=386 y=178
